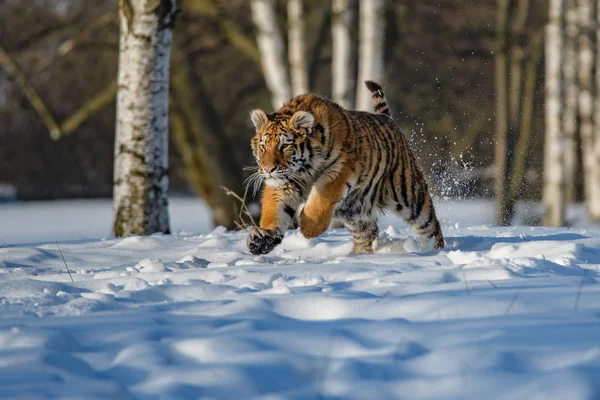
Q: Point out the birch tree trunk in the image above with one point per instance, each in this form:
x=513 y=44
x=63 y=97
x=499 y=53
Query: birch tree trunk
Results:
x=141 y=180
x=296 y=47
x=341 y=68
x=586 y=106
x=571 y=97
x=593 y=199
x=370 y=52
x=272 y=51
x=554 y=185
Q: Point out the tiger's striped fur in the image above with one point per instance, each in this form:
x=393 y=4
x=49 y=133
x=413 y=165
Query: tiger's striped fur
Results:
x=376 y=90
x=347 y=165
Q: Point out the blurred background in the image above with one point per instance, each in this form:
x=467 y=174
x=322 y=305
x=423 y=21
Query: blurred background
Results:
x=464 y=79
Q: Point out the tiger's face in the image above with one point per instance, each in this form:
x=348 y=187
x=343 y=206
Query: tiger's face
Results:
x=282 y=146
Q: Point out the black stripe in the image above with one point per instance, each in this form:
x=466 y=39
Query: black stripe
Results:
x=309 y=148
x=375 y=148
x=376 y=192
x=413 y=193
x=426 y=223
x=330 y=147
x=435 y=232
x=289 y=211
x=389 y=159
x=333 y=162
x=391 y=171
x=403 y=187
x=418 y=205
x=393 y=187
x=321 y=130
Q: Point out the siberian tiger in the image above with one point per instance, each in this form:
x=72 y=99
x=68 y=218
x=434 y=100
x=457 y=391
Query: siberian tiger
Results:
x=321 y=162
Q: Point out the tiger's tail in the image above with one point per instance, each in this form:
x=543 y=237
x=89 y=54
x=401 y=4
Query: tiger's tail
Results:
x=381 y=106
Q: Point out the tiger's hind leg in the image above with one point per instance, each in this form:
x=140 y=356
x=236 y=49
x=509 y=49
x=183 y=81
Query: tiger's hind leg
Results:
x=364 y=232
x=420 y=215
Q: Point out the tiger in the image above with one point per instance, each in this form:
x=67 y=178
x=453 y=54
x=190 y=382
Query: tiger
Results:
x=322 y=163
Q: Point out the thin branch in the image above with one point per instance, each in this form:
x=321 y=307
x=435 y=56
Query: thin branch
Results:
x=89 y=108
x=71 y=43
x=244 y=208
x=63 y=258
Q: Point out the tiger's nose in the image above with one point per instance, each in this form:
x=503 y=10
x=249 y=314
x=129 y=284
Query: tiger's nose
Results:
x=268 y=169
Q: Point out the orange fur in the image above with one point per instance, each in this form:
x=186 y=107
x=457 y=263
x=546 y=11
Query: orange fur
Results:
x=318 y=212
x=271 y=200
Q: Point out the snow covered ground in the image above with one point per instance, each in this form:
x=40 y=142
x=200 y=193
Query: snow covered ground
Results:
x=502 y=313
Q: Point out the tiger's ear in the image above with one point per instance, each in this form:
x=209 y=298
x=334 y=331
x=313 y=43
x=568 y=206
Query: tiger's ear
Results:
x=259 y=118
x=302 y=119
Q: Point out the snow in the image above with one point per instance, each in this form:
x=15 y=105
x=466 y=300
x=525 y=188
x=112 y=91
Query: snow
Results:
x=85 y=219
x=501 y=313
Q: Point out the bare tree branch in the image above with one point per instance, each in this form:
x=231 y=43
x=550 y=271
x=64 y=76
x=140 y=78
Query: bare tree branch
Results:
x=56 y=129
x=30 y=92
x=229 y=27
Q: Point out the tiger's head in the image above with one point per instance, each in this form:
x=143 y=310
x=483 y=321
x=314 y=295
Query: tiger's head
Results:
x=283 y=145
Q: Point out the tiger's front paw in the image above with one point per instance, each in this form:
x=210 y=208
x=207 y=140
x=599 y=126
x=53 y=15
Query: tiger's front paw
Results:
x=263 y=241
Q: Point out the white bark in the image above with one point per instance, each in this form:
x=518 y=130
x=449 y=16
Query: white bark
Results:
x=586 y=126
x=554 y=193
x=571 y=97
x=341 y=63
x=141 y=182
x=371 y=30
x=296 y=48
x=272 y=51
x=593 y=199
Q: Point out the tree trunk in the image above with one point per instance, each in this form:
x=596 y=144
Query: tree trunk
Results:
x=341 y=63
x=516 y=50
x=296 y=47
x=517 y=53
x=593 y=199
x=586 y=103
x=203 y=144
x=371 y=36
x=141 y=181
x=571 y=100
x=527 y=111
x=501 y=76
x=554 y=185
x=272 y=51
